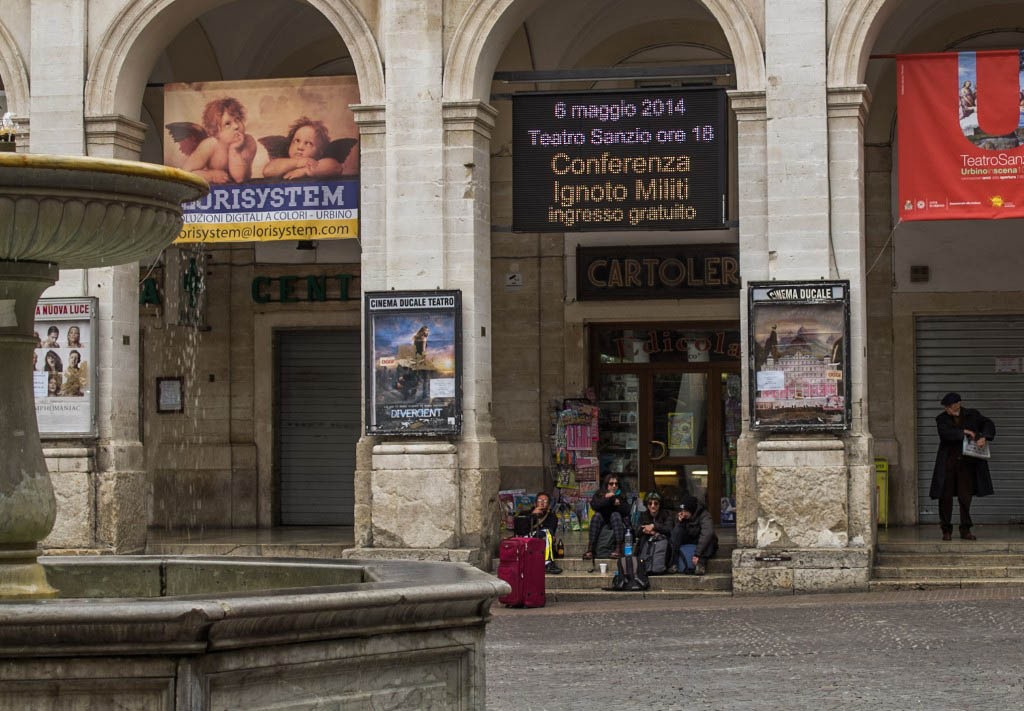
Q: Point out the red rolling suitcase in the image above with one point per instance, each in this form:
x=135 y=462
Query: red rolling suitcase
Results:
x=521 y=565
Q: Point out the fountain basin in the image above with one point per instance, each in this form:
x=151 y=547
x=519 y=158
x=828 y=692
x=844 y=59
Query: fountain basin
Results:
x=75 y=211
x=197 y=632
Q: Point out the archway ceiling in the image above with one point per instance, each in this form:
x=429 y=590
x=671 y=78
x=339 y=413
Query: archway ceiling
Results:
x=928 y=26
x=251 y=39
x=564 y=33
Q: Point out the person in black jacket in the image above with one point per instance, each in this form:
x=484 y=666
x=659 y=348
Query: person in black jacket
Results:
x=955 y=474
x=610 y=509
x=543 y=524
x=693 y=537
x=654 y=523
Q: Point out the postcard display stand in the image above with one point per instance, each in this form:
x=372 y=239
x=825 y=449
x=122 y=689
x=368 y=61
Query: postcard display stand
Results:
x=577 y=474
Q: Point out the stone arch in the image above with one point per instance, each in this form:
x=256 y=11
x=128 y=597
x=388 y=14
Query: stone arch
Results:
x=854 y=36
x=489 y=24
x=119 y=69
x=14 y=73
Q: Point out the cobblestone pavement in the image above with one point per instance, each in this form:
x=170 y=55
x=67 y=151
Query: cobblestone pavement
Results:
x=937 y=650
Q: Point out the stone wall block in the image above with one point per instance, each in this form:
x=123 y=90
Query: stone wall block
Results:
x=762 y=581
x=415 y=508
x=802 y=507
x=480 y=509
x=122 y=510
x=189 y=498
x=863 y=501
x=76 y=510
x=831 y=580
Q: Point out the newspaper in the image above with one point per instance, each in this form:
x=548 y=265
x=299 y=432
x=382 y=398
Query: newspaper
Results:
x=971 y=449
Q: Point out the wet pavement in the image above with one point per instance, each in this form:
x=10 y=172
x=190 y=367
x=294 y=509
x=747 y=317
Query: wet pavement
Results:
x=936 y=650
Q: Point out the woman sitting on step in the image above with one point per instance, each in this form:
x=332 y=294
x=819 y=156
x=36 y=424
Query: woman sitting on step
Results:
x=610 y=509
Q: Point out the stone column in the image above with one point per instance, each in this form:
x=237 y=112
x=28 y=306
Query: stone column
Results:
x=103 y=491
x=429 y=229
x=751 y=135
x=467 y=226
x=807 y=530
x=847 y=111
x=84 y=520
x=372 y=241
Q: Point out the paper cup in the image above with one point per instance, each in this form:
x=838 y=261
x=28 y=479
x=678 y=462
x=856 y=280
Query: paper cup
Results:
x=604 y=568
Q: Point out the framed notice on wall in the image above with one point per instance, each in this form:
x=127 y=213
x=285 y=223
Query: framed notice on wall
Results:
x=628 y=160
x=413 y=362
x=63 y=367
x=799 y=355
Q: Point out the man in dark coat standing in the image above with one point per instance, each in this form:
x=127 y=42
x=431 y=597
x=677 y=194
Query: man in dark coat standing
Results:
x=955 y=474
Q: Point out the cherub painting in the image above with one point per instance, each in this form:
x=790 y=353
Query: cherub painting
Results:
x=306 y=152
x=220 y=150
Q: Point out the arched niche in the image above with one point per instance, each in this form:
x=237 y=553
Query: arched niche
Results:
x=14 y=73
x=132 y=42
x=489 y=25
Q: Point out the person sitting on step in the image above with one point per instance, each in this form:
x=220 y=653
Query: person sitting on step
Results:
x=693 y=537
x=543 y=524
x=654 y=524
x=610 y=509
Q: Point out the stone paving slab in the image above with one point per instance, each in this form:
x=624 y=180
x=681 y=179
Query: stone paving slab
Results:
x=599 y=596
x=936 y=650
x=585 y=581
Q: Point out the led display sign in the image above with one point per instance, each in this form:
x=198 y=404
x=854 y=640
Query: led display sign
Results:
x=636 y=160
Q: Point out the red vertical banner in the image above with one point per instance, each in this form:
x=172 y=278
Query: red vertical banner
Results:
x=961 y=135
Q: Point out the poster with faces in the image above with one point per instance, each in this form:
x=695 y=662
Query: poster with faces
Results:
x=62 y=366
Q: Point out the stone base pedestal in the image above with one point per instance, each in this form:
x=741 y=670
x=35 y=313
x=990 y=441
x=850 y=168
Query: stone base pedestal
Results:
x=97 y=511
x=431 y=501
x=814 y=526
x=440 y=555
x=800 y=570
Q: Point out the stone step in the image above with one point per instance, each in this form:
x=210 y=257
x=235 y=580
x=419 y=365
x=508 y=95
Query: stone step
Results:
x=903 y=560
x=891 y=585
x=556 y=596
x=954 y=546
x=721 y=566
x=576 y=550
x=883 y=572
x=596 y=581
x=715 y=565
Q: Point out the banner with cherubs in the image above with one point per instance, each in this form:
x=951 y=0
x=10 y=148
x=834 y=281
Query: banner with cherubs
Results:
x=281 y=157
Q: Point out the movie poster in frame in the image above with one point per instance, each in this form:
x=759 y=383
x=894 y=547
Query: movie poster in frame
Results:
x=799 y=355
x=63 y=367
x=413 y=343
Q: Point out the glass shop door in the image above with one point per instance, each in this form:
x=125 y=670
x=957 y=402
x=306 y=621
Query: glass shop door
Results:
x=669 y=401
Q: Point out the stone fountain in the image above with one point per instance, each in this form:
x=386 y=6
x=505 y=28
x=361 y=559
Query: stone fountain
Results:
x=187 y=633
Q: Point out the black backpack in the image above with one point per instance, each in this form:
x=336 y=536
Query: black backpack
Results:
x=656 y=554
x=631 y=575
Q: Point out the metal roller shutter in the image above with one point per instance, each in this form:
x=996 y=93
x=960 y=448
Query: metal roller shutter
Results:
x=958 y=354
x=318 y=408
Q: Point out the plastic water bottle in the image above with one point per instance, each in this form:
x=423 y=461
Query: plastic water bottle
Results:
x=627 y=544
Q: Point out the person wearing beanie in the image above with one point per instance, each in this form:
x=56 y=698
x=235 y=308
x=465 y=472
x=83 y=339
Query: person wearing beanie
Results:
x=955 y=474
x=693 y=537
x=655 y=522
